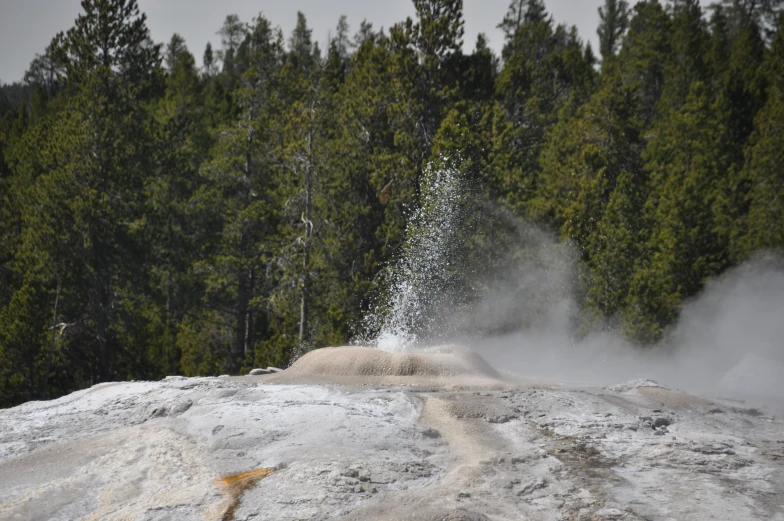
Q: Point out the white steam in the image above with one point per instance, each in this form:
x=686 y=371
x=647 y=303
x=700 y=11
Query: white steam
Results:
x=729 y=341
x=517 y=306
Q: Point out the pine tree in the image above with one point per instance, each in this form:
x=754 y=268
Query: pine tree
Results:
x=239 y=219
x=174 y=50
x=363 y=177
x=546 y=71
x=593 y=189
x=209 y=67
x=180 y=145
x=742 y=90
x=718 y=56
x=337 y=61
x=98 y=163
x=232 y=33
x=20 y=342
x=426 y=54
x=301 y=47
x=47 y=70
x=744 y=85
x=644 y=56
x=423 y=71
x=364 y=34
x=479 y=73
x=614 y=17
x=686 y=161
x=688 y=61
x=764 y=159
x=301 y=155
x=762 y=13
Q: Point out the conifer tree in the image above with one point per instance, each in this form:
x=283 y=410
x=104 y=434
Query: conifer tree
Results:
x=364 y=174
x=232 y=34
x=688 y=61
x=762 y=13
x=742 y=91
x=302 y=142
x=208 y=62
x=593 y=188
x=99 y=155
x=764 y=159
x=423 y=72
x=180 y=146
x=47 y=70
x=644 y=56
x=546 y=69
x=718 y=55
x=614 y=17
x=686 y=162
x=239 y=218
x=426 y=53
x=174 y=50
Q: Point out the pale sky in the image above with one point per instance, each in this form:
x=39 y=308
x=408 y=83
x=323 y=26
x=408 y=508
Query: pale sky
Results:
x=27 y=26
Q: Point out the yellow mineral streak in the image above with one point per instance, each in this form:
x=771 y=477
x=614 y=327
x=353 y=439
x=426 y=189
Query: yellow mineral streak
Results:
x=235 y=485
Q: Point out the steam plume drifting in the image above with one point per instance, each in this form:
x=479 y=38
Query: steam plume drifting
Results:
x=471 y=273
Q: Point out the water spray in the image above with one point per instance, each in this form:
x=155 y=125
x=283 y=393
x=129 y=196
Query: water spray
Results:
x=418 y=280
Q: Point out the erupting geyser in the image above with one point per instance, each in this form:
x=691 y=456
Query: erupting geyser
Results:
x=407 y=315
x=443 y=366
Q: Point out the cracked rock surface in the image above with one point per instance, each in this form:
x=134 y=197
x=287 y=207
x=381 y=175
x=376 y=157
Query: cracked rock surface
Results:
x=511 y=450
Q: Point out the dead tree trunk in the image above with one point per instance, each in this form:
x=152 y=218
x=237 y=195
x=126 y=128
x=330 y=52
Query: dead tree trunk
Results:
x=305 y=279
x=45 y=391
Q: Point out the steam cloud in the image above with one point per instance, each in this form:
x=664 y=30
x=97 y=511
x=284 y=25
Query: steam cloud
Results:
x=519 y=310
x=729 y=341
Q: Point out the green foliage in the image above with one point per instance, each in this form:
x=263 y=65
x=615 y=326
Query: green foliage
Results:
x=614 y=17
x=546 y=74
x=158 y=218
x=593 y=188
x=762 y=172
x=686 y=164
x=644 y=57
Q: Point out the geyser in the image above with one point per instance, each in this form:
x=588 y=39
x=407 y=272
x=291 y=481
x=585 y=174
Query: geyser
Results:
x=450 y=366
x=520 y=309
x=417 y=283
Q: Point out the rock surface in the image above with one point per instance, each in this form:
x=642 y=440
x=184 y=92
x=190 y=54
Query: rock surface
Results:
x=249 y=449
x=268 y=370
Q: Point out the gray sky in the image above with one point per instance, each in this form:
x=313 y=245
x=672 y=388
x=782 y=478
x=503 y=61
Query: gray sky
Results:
x=27 y=26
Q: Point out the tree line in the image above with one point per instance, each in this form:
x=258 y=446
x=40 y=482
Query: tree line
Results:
x=157 y=217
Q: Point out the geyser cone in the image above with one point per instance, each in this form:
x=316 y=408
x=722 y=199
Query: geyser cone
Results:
x=446 y=366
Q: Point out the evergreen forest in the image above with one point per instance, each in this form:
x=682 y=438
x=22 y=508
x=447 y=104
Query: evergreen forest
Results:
x=166 y=214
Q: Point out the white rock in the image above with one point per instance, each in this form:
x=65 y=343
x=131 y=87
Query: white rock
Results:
x=631 y=385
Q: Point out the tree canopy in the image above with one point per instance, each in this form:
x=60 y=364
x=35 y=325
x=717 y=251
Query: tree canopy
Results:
x=162 y=217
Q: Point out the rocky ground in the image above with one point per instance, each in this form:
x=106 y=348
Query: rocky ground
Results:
x=435 y=444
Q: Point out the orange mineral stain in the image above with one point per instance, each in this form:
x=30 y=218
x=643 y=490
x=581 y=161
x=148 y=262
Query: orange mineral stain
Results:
x=235 y=485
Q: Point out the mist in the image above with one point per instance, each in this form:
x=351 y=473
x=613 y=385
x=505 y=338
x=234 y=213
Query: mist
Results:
x=473 y=274
x=727 y=342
